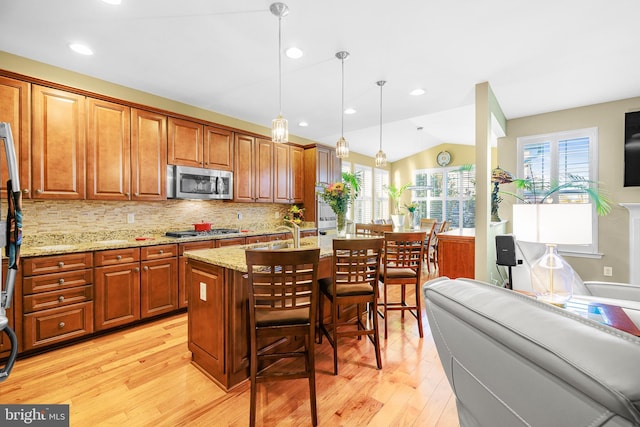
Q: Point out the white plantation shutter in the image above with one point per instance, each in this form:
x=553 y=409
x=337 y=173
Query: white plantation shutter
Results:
x=380 y=195
x=363 y=212
x=553 y=159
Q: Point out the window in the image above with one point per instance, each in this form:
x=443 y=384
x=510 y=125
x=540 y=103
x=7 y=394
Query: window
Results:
x=346 y=167
x=380 y=195
x=553 y=159
x=363 y=205
x=447 y=194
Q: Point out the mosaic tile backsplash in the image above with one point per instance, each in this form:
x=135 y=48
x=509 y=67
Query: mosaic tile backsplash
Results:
x=47 y=221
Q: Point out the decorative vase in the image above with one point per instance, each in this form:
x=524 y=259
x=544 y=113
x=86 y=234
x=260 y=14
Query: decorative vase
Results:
x=414 y=220
x=341 y=224
x=398 y=222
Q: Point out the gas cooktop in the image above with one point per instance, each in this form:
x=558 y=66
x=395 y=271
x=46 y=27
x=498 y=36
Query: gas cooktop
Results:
x=193 y=233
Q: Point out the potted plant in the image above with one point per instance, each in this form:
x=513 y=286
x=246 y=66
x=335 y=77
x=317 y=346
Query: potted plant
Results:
x=395 y=193
x=339 y=195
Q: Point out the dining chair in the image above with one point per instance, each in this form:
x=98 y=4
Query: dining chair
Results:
x=433 y=250
x=430 y=237
x=354 y=280
x=372 y=229
x=283 y=293
x=401 y=265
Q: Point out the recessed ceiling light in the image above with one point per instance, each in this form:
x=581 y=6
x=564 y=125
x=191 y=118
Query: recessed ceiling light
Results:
x=294 y=53
x=81 y=48
x=417 y=92
x=350 y=111
x=303 y=124
x=114 y=2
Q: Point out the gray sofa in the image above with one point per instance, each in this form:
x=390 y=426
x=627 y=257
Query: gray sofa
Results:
x=515 y=361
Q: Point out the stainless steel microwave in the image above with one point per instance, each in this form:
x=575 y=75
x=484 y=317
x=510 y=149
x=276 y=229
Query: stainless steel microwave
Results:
x=185 y=182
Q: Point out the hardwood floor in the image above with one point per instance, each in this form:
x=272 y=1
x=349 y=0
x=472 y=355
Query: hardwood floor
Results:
x=143 y=377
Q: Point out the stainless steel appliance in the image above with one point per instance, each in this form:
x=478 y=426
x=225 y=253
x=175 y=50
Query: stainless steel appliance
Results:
x=184 y=182
x=326 y=217
x=192 y=233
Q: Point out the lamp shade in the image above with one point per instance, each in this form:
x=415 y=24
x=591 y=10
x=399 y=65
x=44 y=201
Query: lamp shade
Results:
x=559 y=223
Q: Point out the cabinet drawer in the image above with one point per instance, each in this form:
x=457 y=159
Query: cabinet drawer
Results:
x=61 y=298
x=56 y=325
x=52 y=282
x=257 y=239
x=158 y=252
x=117 y=256
x=56 y=263
x=232 y=241
x=192 y=246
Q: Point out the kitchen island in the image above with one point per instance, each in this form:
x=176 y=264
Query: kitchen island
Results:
x=218 y=316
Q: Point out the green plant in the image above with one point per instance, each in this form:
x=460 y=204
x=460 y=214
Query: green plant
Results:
x=395 y=193
x=541 y=193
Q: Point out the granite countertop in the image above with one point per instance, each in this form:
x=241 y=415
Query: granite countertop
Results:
x=233 y=257
x=95 y=241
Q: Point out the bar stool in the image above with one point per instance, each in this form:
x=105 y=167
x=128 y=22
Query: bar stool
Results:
x=402 y=264
x=283 y=293
x=356 y=264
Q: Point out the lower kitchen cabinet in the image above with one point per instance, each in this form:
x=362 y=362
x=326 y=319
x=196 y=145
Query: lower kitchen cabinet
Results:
x=183 y=292
x=57 y=299
x=158 y=280
x=117 y=295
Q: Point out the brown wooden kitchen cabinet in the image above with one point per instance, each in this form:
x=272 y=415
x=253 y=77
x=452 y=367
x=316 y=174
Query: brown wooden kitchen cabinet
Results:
x=15 y=109
x=117 y=287
x=57 y=299
x=218 y=148
x=456 y=253
x=288 y=165
x=58 y=139
x=158 y=280
x=183 y=292
x=193 y=144
x=108 y=151
x=148 y=155
x=320 y=165
x=230 y=241
x=253 y=171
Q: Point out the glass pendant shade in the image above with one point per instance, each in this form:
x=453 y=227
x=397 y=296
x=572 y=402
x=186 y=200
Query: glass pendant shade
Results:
x=342 y=148
x=381 y=158
x=279 y=129
x=552 y=278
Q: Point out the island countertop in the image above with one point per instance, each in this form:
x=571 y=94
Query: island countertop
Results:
x=233 y=257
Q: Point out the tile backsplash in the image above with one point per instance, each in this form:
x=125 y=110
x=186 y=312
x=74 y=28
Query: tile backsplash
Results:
x=52 y=217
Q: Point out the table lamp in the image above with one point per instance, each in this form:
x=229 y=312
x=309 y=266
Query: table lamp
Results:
x=553 y=224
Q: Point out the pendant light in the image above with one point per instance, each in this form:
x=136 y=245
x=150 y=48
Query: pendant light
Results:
x=279 y=125
x=381 y=158
x=342 y=146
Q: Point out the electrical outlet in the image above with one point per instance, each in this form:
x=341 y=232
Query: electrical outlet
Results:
x=131 y=218
x=239 y=216
x=276 y=215
x=608 y=271
x=203 y=291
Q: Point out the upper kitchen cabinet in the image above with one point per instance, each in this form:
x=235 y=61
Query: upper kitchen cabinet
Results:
x=253 y=171
x=148 y=155
x=108 y=151
x=218 y=148
x=288 y=165
x=320 y=165
x=57 y=144
x=15 y=109
x=185 y=143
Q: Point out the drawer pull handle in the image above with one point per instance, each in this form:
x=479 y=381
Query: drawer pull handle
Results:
x=61 y=264
x=60 y=281
x=161 y=251
x=118 y=257
x=137 y=269
x=38 y=191
x=146 y=268
x=60 y=298
x=61 y=325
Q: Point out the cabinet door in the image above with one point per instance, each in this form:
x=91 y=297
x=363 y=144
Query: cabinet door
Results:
x=185 y=143
x=58 y=144
x=108 y=151
x=324 y=165
x=148 y=155
x=281 y=173
x=15 y=109
x=207 y=317
x=218 y=149
x=159 y=287
x=263 y=161
x=183 y=292
x=296 y=174
x=243 y=172
x=117 y=295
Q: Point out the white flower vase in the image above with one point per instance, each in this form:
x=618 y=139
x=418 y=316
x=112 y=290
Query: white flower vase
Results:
x=398 y=222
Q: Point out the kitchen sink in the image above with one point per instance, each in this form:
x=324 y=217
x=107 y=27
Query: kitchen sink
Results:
x=270 y=246
x=55 y=247
x=111 y=242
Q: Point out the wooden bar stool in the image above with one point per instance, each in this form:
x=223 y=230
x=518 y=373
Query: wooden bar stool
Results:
x=283 y=292
x=356 y=264
x=402 y=264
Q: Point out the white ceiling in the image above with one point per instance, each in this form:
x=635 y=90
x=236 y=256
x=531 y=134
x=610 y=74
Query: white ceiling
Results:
x=221 y=55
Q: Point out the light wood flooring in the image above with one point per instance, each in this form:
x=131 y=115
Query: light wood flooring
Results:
x=143 y=376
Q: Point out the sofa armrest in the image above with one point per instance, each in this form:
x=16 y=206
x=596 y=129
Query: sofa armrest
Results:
x=621 y=291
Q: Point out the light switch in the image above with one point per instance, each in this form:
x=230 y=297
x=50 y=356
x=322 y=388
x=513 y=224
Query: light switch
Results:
x=203 y=291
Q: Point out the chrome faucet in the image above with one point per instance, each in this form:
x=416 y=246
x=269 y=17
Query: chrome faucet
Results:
x=295 y=232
